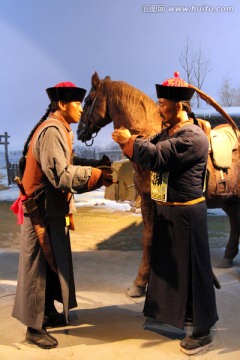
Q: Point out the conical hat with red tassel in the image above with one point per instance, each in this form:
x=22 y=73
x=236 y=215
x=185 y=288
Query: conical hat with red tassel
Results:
x=174 y=89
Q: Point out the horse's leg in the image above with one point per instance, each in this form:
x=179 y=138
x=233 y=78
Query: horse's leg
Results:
x=232 y=209
x=138 y=287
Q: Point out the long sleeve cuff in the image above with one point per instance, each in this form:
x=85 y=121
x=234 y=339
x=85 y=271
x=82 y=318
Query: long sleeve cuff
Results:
x=128 y=146
x=94 y=180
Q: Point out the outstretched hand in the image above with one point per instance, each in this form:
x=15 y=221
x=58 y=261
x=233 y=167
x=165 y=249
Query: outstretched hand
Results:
x=107 y=178
x=105 y=161
x=121 y=136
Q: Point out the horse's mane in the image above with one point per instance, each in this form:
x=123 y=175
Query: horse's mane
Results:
x=128 y=93
x=131 y=108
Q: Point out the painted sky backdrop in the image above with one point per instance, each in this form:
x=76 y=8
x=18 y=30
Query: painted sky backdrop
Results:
x=44 y=42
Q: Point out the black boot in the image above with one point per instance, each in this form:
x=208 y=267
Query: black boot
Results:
x=196 y=342
x=41 y=338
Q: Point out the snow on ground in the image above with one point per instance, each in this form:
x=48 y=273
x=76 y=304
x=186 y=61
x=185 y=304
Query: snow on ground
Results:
x=96 y=198
x=93 y=198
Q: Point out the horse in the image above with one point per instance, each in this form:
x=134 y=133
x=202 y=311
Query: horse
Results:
x=124 y=105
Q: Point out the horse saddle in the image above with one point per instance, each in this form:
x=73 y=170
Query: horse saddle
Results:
x=223 y=142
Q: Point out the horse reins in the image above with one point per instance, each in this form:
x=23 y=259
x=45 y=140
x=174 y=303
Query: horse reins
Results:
x=88 y=124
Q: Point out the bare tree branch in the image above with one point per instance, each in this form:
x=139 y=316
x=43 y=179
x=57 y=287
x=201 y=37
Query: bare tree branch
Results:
x=227 y=93
x=196 y=65
x=187 y=61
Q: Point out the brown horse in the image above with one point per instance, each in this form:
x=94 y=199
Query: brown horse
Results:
x=118 y=102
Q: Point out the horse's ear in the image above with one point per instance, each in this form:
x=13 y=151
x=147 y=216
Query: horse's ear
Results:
x=95 y=80
x=107 y=77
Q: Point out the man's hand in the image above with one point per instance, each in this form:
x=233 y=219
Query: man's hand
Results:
x=121 y=136
x=105 y=161
x=107 y=178
x=91 y=162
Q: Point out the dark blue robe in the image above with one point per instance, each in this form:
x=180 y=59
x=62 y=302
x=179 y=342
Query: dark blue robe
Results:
x=181 y=280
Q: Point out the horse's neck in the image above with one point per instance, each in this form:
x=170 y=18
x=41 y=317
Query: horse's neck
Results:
x=138 y=123
x=137 y=118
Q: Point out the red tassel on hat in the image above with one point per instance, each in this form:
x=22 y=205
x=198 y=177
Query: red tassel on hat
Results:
x=65 y=84
x=176 y=81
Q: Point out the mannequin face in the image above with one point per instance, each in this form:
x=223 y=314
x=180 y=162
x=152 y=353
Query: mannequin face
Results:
x=169 y=110
x=71 y=111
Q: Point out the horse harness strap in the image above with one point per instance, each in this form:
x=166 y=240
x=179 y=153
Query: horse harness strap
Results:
x=88 y=122
x=176 y=203
x=91 y=111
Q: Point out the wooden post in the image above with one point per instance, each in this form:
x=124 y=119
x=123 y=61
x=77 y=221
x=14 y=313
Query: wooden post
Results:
x=5 y=143
x=6 y=157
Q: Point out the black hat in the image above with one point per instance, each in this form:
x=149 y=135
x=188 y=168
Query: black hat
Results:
x=66 y=91
x=175 y=89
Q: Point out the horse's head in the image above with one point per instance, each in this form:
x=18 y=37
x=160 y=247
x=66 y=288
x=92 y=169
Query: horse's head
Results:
x=94 y=115
x=121 y=103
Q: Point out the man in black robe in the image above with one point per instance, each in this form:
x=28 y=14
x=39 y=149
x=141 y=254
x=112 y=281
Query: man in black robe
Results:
x=181 y=280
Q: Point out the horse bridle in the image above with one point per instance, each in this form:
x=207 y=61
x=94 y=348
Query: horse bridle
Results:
x=93 y=135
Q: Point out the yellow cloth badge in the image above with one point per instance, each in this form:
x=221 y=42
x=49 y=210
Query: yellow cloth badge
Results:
x=159 y=184
x=69 y=222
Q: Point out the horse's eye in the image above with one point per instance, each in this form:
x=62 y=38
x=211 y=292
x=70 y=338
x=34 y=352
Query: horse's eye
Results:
x=88 y=101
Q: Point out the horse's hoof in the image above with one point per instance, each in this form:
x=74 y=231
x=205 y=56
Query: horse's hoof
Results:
x=225 y=263
x=136 y=291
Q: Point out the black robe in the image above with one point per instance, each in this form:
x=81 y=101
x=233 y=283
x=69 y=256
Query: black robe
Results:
x=181 y=280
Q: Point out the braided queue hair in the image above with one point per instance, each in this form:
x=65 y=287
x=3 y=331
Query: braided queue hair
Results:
x=52 y=107
x=187 y=107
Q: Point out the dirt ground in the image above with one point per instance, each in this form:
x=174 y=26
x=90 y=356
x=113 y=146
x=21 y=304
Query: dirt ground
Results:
x=104 y=229
x=107 y=324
